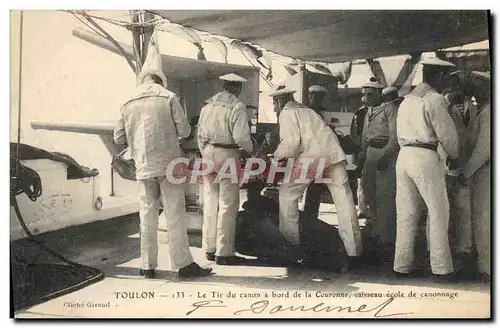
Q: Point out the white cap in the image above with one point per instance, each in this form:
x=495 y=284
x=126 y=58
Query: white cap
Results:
x=281 y=90
x=458 y=72
x=373 y=84
x=389 y=90
x=231 y=77
x=436 y=62
x=317 y=88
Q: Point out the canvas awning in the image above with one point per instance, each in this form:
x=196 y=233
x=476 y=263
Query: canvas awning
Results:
x=174 y=67
x=339 y=35
x=471 y=60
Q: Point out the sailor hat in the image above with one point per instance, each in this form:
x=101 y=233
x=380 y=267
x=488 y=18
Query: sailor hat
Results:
x=281 y=90
x=317 y=88
x=373 y=84
x=436 y=62
x=389 y=90
x=231 y=77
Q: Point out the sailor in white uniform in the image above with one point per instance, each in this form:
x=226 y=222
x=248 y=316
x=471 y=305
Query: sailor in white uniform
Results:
x=223 y=134
x=423 y=122
x=304 y=135
x=151 y=123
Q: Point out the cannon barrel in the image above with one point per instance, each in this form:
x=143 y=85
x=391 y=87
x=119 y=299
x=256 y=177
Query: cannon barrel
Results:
x=102 y=128
x=103 y=42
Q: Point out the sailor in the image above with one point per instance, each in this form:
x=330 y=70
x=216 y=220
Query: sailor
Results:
x=464 y=113
x=223 y=133
x=304 y=135
x=477 y=174
x=357 y=123
x=423 y=122
x=356 y=132
x=146 y=125
x=372 y=95
x=378 y=161
x=317 y=94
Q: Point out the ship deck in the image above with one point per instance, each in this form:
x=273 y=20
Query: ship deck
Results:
x=113 y=246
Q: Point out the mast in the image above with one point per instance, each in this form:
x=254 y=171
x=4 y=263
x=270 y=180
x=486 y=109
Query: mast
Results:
x=141 y=34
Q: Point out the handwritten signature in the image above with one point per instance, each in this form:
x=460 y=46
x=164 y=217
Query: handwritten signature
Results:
x=264 y=306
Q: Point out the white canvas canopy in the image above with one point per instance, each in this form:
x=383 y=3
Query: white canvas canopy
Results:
x=340 y=35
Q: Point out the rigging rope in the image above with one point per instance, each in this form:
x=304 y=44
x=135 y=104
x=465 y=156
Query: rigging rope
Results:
x=88 y=25
x=20 y=88
x=125 y=24
x=270 y=83
x=129 y=25
x=112 y=40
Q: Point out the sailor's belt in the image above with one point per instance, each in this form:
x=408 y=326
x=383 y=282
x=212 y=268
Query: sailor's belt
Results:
x=227 y=146
x=423 y=145
x=377 y=143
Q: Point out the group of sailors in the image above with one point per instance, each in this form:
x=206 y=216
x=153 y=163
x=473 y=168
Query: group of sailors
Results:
x=428 y=155
x=400 y=170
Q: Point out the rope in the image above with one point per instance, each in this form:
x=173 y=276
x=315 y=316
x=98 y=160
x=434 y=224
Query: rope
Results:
x=125 y=24
x=20 y=93
x=115 y=43
x=151 y=23
x=88 y=25
x=261 y=74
